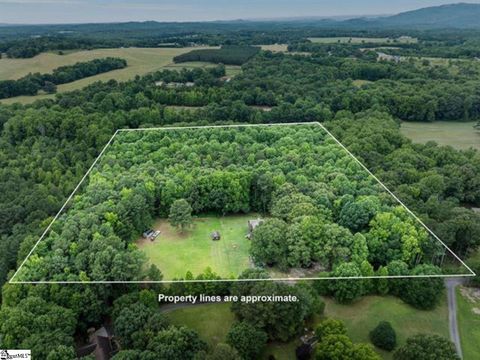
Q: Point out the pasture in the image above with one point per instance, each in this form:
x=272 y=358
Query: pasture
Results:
x=460 y=135
x=212 y=321
x=362 y=40
x=140 y=62
x=176 y=253
x=275 y=47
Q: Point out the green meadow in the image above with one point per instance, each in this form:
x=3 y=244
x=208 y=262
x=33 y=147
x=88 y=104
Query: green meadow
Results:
x=175 y=252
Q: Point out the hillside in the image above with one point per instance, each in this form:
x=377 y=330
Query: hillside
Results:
x=460 y=15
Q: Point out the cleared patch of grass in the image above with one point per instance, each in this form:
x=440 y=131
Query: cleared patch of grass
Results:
x=360 y=83
x=460 y=135
x=211 y=321
x=365 y=314
x=176 y=253
x=275 y=47
x=468 y=313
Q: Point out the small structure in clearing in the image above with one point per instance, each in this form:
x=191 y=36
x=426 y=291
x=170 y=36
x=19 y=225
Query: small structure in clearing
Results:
x=215 y=236
x=252 y=224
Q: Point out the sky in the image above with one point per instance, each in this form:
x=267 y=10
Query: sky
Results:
x=81 y=11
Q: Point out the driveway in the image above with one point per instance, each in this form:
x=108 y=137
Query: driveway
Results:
x=451 y=284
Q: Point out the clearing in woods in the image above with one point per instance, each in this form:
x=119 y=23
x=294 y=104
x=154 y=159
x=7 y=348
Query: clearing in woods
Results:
x=460 y=135
x=172 y=251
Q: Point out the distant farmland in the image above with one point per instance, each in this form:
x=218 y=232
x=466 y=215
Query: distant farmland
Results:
x=140 y=61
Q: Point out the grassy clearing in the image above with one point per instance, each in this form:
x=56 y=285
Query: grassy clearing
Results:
x=140 y=61
x=175 y=253
x=468 y=312
x=360 y=83
x=361 y=40
x=365 y=314
x=275 y=47
x=460 y=135
x=212 y=321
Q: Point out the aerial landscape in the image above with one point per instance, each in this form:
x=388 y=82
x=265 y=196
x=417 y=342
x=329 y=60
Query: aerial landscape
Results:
x=204 y=182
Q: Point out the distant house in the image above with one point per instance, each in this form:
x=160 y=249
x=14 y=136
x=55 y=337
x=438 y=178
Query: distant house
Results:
x=102 y=344
x=305 y=350
x=215 y=236
x=252 y=224
x=174 y=84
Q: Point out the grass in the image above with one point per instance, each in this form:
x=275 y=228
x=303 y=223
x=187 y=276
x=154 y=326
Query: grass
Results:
x=212 y=321
x=365 y=314
x=275 y=47
x=361 y=40
x=360 y=83
x=460 y=135
x=175 y=253
x=468 y=323
x=140 y=61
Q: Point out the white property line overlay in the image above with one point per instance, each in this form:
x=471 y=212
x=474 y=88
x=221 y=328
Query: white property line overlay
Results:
x=11 y=281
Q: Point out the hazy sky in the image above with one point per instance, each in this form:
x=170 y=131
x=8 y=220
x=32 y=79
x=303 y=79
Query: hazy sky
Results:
x=77 y=11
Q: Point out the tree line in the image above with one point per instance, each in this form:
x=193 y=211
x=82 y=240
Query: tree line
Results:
x=228 y=55
x=32 y=83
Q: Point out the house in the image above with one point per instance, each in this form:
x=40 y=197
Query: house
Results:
x=305 y=350
x=215 y=235
x=102 y=344
x=252 y=224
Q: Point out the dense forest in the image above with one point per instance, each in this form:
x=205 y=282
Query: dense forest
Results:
x=228 y=55
x=32 y=83
x=324 y=207
x=48 y=146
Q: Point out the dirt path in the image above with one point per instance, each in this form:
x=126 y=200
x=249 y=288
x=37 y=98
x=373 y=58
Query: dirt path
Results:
x=451 y=284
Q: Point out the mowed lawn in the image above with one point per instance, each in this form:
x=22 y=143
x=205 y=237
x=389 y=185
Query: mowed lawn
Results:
x=140 y=61
x=460 y=135
x=468 y=314
x=176 y=253
x=212 y=321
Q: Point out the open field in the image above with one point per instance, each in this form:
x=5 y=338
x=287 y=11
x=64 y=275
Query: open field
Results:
x=365 y=314
x=460 y=135
x=211 y=321
x=230 y=70
x=360 y=318
x=275 y=47
x=361 y=40
x=140 y=61
x=175 y=253
x=468 y=312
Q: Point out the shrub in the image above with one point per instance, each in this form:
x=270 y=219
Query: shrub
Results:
x=384 y=336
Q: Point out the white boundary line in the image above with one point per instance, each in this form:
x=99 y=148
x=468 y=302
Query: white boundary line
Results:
x=11 y=281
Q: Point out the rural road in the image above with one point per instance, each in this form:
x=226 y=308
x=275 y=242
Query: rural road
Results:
x=451 y=284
